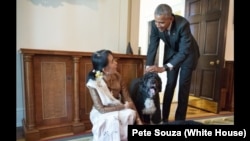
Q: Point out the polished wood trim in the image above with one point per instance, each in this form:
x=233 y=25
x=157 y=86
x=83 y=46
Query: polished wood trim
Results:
x=76 y=89
x=73 y=53
x=29 y=90
x=228 y=85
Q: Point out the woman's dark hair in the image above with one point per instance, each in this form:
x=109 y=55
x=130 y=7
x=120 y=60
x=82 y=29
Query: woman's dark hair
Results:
x=99 y=60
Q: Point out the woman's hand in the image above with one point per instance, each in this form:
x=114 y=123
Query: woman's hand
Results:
x=139 y=122
x=128 y=105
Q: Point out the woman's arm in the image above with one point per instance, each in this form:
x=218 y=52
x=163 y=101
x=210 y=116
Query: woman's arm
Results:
x=126 y=97
x=98 y=103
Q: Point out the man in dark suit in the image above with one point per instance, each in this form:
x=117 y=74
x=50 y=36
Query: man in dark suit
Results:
x=181 y=53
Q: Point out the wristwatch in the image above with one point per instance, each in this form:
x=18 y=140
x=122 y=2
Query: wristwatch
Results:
x=166 y=67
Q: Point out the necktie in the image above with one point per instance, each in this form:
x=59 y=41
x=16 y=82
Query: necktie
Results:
x=167 y=37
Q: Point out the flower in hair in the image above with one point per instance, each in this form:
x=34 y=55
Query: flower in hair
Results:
x=98 y=77
x=98 y=74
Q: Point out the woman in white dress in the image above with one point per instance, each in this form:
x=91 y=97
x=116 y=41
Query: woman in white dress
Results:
x=113 y=109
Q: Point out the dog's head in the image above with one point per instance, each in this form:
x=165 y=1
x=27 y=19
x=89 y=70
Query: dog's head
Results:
x=150 y=84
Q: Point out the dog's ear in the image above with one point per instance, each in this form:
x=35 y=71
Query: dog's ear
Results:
x=134 y=86
x=141 y=84
x=145 y=77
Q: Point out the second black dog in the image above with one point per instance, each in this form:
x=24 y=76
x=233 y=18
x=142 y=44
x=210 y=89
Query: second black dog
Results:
x=145 y=95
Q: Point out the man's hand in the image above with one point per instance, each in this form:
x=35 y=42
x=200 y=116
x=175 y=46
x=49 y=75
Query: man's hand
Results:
x=155 y=68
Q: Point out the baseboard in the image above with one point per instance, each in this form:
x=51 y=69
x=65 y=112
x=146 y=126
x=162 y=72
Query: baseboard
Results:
x=19 y=117
x=19 y=132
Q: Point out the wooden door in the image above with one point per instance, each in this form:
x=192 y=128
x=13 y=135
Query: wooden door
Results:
x=208 y=21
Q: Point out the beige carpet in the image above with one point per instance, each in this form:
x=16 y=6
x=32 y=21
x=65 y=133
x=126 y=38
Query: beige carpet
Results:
x=224 y=120
x=82 y=139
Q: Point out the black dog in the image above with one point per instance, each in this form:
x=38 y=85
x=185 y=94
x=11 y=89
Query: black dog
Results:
x=144 y=92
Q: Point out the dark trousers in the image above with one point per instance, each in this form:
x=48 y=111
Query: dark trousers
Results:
x=184 y=88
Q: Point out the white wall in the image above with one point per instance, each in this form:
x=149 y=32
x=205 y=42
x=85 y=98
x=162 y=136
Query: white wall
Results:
x=229 y=53
x=75 y=25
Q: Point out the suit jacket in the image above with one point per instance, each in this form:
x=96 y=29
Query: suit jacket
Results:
x=183 y=49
